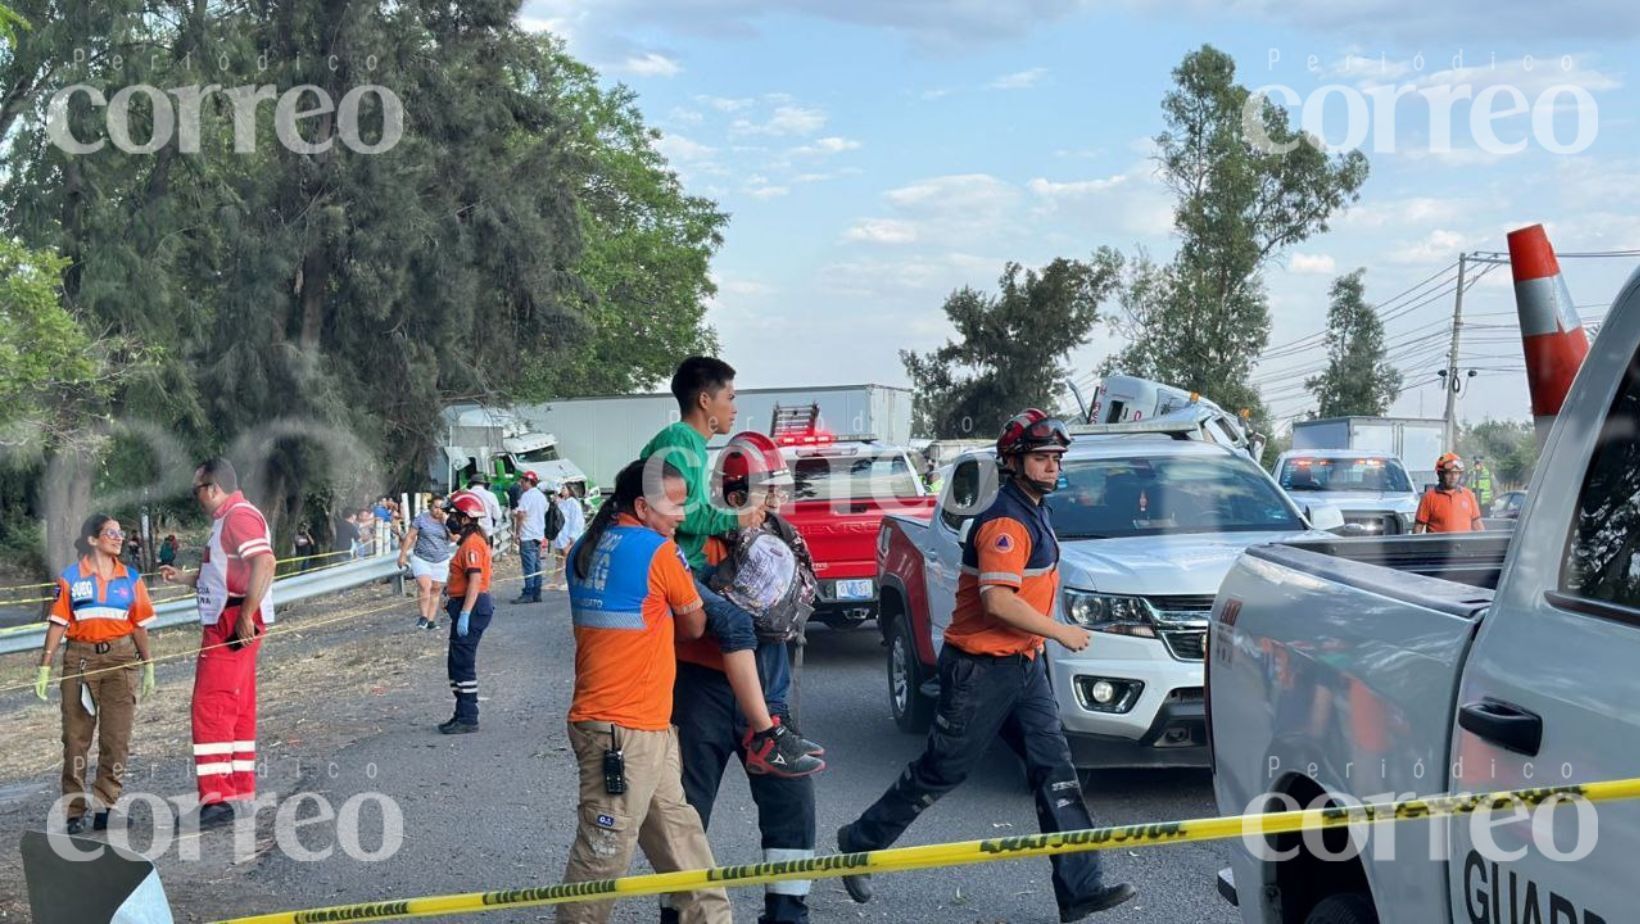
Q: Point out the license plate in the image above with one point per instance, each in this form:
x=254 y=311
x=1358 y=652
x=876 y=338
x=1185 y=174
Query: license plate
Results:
x=854 y=590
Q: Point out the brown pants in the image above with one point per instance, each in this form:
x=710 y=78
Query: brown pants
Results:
x=651 y=814
x=115 y=694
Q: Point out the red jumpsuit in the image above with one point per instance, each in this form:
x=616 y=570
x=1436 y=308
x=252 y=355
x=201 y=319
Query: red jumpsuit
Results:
x=224 y=713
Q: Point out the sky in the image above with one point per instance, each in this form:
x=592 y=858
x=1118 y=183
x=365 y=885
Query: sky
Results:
x=875 y=155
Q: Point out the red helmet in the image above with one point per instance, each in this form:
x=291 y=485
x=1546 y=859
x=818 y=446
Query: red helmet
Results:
x=753 y=457
x=1032 y=430
x=467 y=503
x=1449 y=460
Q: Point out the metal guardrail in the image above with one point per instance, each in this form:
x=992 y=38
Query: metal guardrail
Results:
x=290 y=589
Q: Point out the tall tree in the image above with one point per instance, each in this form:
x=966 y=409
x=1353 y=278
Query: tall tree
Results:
x=1010 y=348
x=1358 y=379
x=646 y=244
x=1509 y=446
x=1200 y=321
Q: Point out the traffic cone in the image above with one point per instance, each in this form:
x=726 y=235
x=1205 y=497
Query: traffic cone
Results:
x=1551 y=334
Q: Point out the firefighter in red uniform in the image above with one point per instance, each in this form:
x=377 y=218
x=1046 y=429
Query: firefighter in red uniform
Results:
x=234 y=585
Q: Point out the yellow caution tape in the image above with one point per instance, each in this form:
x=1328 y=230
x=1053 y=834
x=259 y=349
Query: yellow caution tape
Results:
x=934 y=856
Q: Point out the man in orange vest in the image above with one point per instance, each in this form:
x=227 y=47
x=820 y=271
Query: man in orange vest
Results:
x=1449 y=507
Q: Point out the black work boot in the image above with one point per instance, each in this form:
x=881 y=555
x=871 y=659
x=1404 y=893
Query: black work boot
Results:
x=859 y=887
x=1103 y=900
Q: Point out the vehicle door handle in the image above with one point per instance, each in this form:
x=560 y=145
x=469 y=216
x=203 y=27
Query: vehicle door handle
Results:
x=1506 y=725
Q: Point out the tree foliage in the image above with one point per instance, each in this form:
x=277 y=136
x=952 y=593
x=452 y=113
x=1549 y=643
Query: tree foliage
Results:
x=1509 y=447
x=523 y=239
x=1358 y=379
x=1200 y=321
x=1010 y=347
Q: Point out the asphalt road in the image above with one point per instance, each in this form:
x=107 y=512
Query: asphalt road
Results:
x=495 y=810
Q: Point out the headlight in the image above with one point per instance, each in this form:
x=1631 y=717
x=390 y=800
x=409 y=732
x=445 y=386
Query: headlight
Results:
x=1110 y=613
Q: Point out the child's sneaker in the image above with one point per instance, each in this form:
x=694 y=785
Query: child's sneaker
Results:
x=779 y=752
x=811 y=748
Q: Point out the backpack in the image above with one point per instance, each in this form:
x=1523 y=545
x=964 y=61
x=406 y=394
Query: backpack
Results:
x=555 y=520
x=770 y=574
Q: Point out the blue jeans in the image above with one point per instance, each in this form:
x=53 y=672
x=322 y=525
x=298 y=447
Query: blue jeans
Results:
x=529 y=558
x=735 y=631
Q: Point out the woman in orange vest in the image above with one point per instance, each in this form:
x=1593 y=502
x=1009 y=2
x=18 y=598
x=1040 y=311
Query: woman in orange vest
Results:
x=102 y=607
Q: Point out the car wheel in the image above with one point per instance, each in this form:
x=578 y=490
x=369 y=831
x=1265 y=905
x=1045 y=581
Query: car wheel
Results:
x=913 y=712
x=1350 y=908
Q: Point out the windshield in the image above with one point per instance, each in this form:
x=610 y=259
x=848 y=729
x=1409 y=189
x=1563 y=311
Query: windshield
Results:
x=547 y=453
x=1110 y=498
x=1313 y=474
x=832 y=476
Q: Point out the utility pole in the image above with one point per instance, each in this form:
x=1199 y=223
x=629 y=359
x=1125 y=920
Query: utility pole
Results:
x=1451 y=376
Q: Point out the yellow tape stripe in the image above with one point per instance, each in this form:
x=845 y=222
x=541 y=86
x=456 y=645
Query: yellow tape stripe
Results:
x=963 y=853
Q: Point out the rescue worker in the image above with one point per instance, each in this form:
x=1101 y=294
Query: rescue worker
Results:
x=530 y=526
x=993 y=676
x=705 y=391
x=1449 y=507
x=234 y=585
x=469 y=607
x=1480 y=481
x=711 y=728
x=631 y=597
x=103 y=609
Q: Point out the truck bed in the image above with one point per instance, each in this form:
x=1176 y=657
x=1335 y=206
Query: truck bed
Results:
x=1474 y=559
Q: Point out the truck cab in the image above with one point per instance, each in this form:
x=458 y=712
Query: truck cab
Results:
x=1373 y=669
x=1370 y=488
x=1148 y=525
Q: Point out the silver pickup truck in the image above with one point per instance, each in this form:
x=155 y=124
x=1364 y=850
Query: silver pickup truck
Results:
x=1372 y=669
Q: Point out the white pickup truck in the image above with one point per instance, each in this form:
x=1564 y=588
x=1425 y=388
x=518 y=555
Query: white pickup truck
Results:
x=1370 y=487
x=1375 y=668
x=1148 y=526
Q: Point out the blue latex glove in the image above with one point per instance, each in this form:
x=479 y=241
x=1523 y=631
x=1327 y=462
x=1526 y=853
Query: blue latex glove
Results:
x=461 y=623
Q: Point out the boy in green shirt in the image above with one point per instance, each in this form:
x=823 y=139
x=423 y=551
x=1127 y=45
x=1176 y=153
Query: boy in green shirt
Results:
x=704 y=387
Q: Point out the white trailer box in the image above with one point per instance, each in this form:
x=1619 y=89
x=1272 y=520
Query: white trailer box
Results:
x=603 y=434
x=1417 y=441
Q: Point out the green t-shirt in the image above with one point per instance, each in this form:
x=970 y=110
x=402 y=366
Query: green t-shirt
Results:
x=685 y=448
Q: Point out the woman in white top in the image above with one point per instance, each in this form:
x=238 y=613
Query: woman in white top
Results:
x=426 y=548
x=575 y=523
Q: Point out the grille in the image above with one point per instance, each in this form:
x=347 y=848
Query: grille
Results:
x=1187 y=644
x=1183 y=603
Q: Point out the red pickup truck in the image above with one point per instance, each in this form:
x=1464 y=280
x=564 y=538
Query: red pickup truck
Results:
x=844 y=488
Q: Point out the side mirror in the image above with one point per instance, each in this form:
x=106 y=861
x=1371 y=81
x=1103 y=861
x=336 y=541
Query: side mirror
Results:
x=1324 y=517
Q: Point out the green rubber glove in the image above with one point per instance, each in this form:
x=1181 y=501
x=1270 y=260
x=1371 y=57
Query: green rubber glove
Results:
x=147 y=680
x=42 y=680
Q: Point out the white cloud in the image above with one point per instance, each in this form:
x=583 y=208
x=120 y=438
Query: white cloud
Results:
x=681 y=149
x=1410 y=211
x=1019 y=80
x=1312 y=264
x=724 y=104
x=1439 y=246
x=938 y=93
x=747 y=288
x=1134 y=202
x=650 y=64
x=813 y=177
x=685 y=116
x=767 y=192
x=882 y=231
x=785 y=120
x=954 y=193
x=825 y=146
x=1050 y=189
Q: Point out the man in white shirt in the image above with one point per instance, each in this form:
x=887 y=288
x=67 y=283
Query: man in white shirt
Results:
x=530 y=526
x=575 y=523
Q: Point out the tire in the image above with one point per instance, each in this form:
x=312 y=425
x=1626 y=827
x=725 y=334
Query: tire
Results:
x=1349 y=908
x=913 y=712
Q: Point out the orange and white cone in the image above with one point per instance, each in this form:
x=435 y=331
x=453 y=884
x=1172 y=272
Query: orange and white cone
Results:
x=1552 y=336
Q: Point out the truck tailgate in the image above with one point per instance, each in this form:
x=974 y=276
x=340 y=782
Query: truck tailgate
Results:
x=1339 y=671
x=842 y=535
